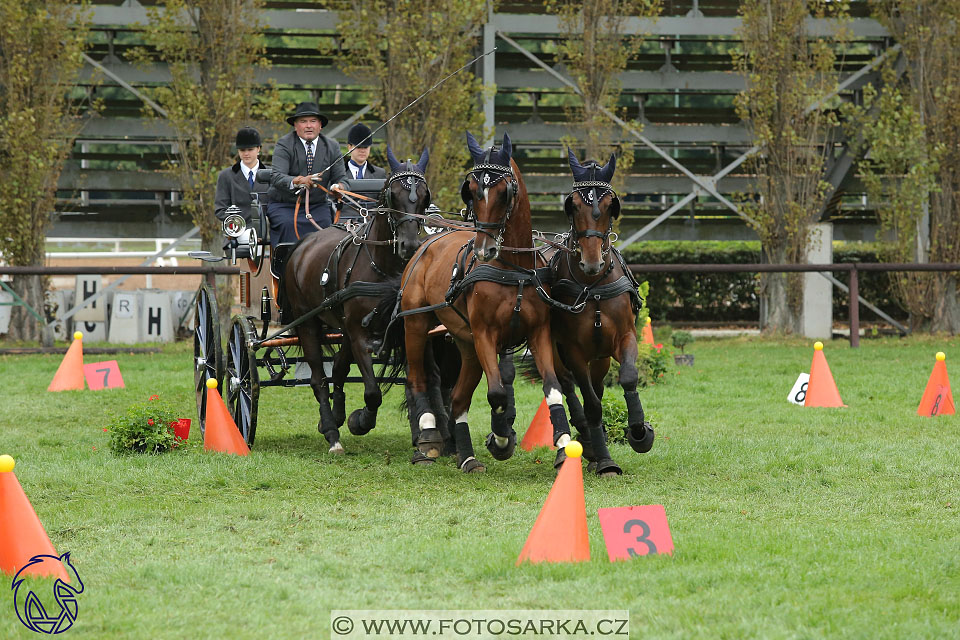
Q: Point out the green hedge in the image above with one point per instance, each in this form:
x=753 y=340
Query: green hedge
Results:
x=733 y=297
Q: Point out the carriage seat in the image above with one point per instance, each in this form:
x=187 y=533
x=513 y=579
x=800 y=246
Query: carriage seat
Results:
x=278 y=258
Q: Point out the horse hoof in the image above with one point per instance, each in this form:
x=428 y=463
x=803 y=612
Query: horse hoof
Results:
x=505 y=452
x=336 y=448
x=356 y=423
x=449 y=448
x=430 y=443
x=420 y=459
x=561 y=456
x=592 y=466
x=472 y=465
x=643 y=442
x=607 y=468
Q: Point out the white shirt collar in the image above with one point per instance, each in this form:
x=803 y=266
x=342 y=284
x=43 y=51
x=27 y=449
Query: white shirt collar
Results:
x=312 y=142
x=246 y=170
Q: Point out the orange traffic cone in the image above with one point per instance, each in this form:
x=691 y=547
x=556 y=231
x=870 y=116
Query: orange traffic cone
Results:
x=821 y=389
x=937 y=399
x=560 y=532
x=69 y=377
x=21 y=534
x=221 y=433
x=540 y=431
x=647 y=337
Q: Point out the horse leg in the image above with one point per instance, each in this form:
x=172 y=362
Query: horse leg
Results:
x=423 y=423
x=501 y=442
x=639 y=432
x=541 y=346
x=364 y=419
x=591 y=384
x=467 y=381
x=435 y=393
x=341 y=368
x=569 y=388
x=508 y=374
x=309 y=334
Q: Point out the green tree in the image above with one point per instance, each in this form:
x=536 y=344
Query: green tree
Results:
x=914 y=136
x=404 y=47
x=41 y=48
x=212 y=49
x=786 y=72
x=595 y=49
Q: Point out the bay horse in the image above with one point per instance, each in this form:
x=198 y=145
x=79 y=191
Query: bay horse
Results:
x=599 y=322
x=482 y=286
x=350 y=272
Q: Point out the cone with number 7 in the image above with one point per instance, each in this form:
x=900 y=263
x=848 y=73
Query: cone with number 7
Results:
x=821 y=389
x=560 y=531
x=937 y=399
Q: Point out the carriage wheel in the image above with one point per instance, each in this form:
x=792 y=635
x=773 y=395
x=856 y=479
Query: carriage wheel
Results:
x=241 y=377
x=207 y=351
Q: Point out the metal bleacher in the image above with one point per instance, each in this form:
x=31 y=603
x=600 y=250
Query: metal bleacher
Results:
x=680 y=88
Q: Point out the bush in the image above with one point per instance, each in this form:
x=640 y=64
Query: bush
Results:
x=734 y=297
x=145 y=428
x=651 y=367
x=681 y=339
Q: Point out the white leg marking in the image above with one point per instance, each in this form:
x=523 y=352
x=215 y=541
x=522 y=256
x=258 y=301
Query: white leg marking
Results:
x=461 y=418
x=554 y=397
x=466 y=461
x=336 y=448
x=563 y=440
x=428 y=421
x=501 y=441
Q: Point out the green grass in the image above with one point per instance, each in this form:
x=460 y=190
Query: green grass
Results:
x=788 y=522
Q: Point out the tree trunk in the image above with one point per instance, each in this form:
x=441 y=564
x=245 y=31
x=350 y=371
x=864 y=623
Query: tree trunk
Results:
x=946 y=313
x=777 y=316
x=24 y=326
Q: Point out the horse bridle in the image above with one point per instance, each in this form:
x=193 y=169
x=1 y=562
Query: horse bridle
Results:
x=487 y=175
x=592 y=192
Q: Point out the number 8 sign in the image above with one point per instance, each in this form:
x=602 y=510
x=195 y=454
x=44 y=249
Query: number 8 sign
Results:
x=635 y=531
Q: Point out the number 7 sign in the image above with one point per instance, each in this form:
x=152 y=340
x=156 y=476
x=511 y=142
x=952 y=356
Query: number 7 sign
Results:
x=635 y=531
x=103 y=375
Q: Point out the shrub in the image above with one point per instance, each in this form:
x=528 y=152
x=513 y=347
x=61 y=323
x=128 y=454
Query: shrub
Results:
x=651 y=367
x=145 y=428
x=681 y=339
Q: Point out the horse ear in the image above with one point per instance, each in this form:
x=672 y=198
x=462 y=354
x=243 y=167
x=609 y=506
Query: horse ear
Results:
x=424 y=159
x=574 y=162
x=606 y=174
x=476 y=151
x=392 y=159
x=506 y=151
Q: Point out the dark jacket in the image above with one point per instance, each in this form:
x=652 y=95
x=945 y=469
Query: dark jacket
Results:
x=371 y=171
x=233 y=188
x=290 y=160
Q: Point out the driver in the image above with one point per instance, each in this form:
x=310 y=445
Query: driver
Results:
x=297 y=157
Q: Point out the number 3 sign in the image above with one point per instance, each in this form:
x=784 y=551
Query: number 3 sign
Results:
x=635 y=531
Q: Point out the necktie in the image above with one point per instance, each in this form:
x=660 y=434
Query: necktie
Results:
x=310 y=157
x=250 y=179
x=359 y=172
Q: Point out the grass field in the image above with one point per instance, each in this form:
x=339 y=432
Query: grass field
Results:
x=788 y=522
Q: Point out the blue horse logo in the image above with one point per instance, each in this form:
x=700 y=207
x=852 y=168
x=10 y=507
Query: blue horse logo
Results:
x=30 y=609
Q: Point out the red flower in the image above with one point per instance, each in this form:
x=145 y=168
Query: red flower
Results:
x=658 y=347
x=154 y=397
x=104 y=428
x=150 y=422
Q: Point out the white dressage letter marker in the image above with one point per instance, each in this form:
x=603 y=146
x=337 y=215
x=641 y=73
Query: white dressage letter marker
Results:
x=799 y=392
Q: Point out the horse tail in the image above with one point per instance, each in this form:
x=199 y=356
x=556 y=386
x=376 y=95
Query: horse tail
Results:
x=527 y=367
x=393 y=350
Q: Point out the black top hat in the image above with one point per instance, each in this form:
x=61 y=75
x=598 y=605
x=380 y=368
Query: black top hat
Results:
x=248 y=138
x=359 y=136
x=308 y=109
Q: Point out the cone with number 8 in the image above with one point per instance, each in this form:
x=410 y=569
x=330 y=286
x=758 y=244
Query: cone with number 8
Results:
x=821 y=389
x=937 y=398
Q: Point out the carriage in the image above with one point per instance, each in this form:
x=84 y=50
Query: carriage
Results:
x=259 y=353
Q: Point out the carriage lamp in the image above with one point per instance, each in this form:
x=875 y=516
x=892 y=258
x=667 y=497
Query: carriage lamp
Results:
x=233 y=224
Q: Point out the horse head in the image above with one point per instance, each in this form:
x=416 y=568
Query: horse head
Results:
x=591 y=208
x=490 y=192
x=405 y=193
